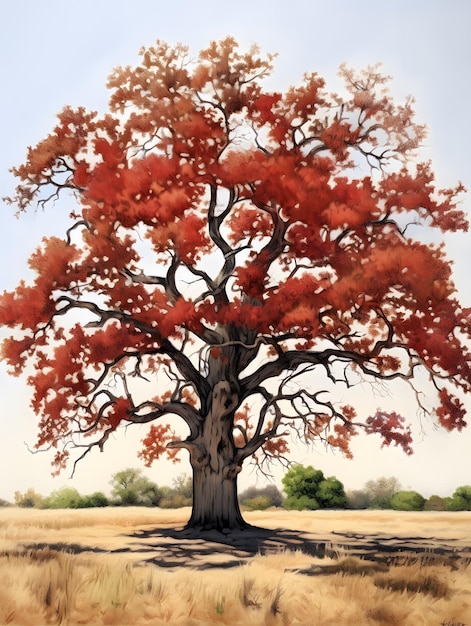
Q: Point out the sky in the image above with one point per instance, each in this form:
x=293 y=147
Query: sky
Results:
x=54 y=53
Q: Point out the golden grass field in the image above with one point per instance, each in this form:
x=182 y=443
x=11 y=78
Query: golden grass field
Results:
x=128 y=567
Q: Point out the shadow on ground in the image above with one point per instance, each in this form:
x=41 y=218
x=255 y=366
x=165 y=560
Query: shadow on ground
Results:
x=188 y=548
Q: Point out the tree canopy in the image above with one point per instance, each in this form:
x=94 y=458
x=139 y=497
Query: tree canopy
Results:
x=228 y=243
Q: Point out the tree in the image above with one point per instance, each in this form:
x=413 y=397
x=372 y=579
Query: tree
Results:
x=307 y=488
x=460 y=500
x=97 y=499
x=63 y=498
x=331 y=494
x=228 y=249
x=29 y=499
x=261 y=497
x=301 y=485
x=381 y=490
x=131 y=488
x=358 y=499
x=434 y=503
x=407 y=501
x=180 y=495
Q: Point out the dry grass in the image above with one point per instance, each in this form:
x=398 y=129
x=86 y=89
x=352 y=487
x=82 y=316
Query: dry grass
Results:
x=46 y=586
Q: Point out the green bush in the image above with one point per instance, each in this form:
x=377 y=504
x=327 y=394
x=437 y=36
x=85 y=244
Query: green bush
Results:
x=302 y=481
x=460 y=500
x=64 y=498
x=96 y=499
x=307 y=488
x=408 y=501
x=301 y=503
x=331 y=494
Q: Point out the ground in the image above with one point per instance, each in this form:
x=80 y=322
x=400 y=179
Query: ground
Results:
x=130 y=565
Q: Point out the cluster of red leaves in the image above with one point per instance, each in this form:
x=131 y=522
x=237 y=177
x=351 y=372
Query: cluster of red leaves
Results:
x=155 y=444
x=451 y=412
x=391 y=428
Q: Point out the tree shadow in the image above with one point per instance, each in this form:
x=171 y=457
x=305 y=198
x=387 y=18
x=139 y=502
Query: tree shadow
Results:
x=190 y=548
x=182 y=547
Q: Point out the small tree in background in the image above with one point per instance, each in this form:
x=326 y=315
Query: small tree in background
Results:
x=301 y=484
x=358 y=499
x=460 y=500
x=181 y=493
x=63 y=498
x=435 y=503
x=29 y=499
x=131 y=488
x=331 y=494
x=94 y=500
x=407 y=501
x=260 y=498
x=381 y=490
x=307 y=488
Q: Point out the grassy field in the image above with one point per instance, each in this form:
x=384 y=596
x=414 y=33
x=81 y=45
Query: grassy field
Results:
x=129 y=567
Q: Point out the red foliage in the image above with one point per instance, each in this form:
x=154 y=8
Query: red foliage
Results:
x=451 y=411
x=223 y=234
x=390 y=426
x=155 y=444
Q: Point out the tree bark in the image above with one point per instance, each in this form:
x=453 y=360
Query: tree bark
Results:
x=215 y=503
x=215 y=469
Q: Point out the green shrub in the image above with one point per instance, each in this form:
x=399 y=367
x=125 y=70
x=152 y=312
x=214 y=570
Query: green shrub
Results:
x=331 y=494
x=408 y=501
x=96 y=499
x=307 y=488
x=302 y=481
x=64 y=498
x=460 y=500
x=300 y=503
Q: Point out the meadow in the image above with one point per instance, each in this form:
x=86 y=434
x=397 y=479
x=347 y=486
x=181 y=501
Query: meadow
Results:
x=136 y=566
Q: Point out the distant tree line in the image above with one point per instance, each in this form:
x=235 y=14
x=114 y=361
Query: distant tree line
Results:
x=129 y=487
x=308 y=488
x=305 y=488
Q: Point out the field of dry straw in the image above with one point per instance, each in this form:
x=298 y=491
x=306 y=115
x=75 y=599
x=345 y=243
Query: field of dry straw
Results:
x=129 y=567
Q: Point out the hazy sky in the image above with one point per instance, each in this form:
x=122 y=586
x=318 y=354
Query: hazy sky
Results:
x=54 y=53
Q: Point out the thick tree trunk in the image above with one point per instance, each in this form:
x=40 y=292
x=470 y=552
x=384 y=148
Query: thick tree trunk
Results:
x=215 y=468
x=215 y=503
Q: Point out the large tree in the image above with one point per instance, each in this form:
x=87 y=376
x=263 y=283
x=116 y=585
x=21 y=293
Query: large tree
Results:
x=234 y=254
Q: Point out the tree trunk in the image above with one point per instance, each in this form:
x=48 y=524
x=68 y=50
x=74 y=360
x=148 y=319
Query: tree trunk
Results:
x=213 y=457
x=215 y=503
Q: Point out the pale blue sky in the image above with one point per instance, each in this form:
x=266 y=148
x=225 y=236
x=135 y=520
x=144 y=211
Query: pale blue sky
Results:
x=54 y=53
